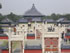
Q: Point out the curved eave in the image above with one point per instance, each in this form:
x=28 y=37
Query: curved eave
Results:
x=5 y=23
x=64 y=22
x=31 y=21
x=34 y=16
x=37 y=21
x=22 y=22
x=7 y=26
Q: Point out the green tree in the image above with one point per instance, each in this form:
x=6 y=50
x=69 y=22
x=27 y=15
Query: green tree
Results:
x=13 y=17
x=0 y=6
x=67 y=16
x=53 y=16
x=1 y=16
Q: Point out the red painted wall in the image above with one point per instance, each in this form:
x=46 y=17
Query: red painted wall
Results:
x=46 y=49
x=32 y=51
x=65 y=50
x=67 y=37
x=3 y=37
x=5 y=51
x=30 y=37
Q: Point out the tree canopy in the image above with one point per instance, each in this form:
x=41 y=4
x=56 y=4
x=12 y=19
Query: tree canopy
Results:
x=0 y=6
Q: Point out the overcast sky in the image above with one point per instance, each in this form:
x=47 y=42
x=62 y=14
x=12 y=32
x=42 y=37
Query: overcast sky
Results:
x=46 y=7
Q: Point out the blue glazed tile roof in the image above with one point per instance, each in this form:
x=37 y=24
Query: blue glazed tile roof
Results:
x=33 y=12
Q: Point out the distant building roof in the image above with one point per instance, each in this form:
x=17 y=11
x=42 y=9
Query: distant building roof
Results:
x=6 y=20
x=33 y=12
x=7 y=24
x=22 y=20
x=37 y=19
x=49 y=20
x=62 y=20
